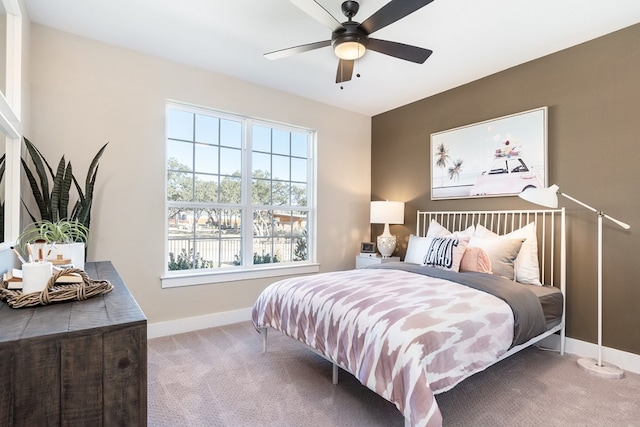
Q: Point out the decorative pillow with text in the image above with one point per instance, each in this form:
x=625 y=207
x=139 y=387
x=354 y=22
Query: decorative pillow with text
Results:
x=446 y=252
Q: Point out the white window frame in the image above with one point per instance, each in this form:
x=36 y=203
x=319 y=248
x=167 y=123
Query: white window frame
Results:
x=244 y=272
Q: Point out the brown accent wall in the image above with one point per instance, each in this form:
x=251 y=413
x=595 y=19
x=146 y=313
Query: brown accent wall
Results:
x=593 y=96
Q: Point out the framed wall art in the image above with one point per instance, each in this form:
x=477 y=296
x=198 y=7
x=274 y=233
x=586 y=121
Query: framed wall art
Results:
x=497 y=157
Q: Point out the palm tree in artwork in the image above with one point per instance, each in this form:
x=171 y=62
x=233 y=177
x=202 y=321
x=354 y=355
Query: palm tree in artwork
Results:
x=442 y=158
x=454 y=171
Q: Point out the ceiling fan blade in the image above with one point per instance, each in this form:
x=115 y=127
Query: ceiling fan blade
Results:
x=400 y=50
x=391 y=12
x=317 y=12
x=283 y=53
x=345 y=70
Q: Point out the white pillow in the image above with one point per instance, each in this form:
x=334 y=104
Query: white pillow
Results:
x=526 y=265
x=446 y=252
x=437 y=230
x=417 y=249
x=502 y=253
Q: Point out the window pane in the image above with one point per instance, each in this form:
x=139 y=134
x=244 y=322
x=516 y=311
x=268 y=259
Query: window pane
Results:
x=265 y=251
x=280 y=193
x=230 y=237
x=206 y=129
x=180 y=236
x=281 y=142
x=261 y=139
x=262 y=223
x=206 y=238
x=299 y=146
x=206 y=188
x=290 y=237
x=179 y=155
x=264 y=248
x=300 y=237
x=179 y=125
x=230 y=161
x=180 y=222
x=231 y=190
x=230 y=133
x=280 y=167
x=261 y=192
x=261 y=163
x=298 y=194
x=206 y=158
x=179 y=186
x=298 y=170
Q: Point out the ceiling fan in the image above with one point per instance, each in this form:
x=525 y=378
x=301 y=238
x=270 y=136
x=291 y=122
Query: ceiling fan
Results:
x=351 y=39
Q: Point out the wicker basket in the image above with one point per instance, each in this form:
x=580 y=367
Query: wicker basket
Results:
x=57 y=292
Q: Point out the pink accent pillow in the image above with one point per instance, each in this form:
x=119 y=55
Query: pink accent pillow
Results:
x=475 y=259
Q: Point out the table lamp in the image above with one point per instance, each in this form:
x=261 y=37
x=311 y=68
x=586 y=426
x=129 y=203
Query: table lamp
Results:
x=386 y=213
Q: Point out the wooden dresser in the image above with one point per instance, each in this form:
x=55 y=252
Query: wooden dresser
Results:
x=80 y=363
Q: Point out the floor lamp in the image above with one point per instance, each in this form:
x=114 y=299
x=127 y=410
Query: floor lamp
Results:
x=549 y=197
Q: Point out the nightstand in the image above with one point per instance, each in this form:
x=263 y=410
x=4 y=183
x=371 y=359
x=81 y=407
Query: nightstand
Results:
x=364 y=261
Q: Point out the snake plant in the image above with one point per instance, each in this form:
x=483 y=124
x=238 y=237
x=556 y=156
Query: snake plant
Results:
x=51 y=190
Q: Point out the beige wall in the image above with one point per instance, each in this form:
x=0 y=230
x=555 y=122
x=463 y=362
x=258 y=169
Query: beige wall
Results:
x=593 y=94
x=84 y=93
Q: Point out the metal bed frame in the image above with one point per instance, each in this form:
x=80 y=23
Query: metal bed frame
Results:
x=552 y=250
x=551 y=236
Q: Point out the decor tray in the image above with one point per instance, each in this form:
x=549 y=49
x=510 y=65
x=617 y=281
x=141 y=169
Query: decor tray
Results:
x=56 y=292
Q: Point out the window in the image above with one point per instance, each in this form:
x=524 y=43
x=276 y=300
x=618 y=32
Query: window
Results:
x=238 y=194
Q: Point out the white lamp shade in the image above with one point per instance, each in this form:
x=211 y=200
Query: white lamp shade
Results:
x=542 y=196
x=387 y=212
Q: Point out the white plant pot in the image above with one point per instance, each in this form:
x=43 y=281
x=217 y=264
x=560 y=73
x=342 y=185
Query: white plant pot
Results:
x=72 y=251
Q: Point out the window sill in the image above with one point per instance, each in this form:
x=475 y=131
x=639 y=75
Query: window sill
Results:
x=258 y=272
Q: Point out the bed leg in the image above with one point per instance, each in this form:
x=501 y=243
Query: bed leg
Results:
x=263 y=331
x=562 y=339
x=335 y=374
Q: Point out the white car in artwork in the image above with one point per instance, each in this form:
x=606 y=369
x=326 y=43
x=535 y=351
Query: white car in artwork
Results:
x=508 y=175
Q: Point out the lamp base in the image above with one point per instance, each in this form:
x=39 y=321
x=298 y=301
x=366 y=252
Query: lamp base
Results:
x=605 y=370
x=386 y=245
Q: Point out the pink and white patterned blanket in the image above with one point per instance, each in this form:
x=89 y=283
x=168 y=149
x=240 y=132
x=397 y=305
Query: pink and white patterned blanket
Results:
x=405 y=336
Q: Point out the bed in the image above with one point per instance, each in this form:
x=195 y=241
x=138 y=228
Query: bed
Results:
x=474 y=288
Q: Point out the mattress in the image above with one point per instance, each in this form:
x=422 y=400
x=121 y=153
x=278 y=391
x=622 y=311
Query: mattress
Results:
x=552 y=302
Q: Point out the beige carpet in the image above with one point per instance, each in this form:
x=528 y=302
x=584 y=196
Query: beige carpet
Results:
x=220 y=377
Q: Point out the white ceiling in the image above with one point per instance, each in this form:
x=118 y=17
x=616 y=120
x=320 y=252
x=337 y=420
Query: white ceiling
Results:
x=470 y=39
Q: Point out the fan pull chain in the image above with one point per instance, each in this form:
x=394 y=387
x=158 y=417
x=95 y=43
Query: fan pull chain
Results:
x=358 y=61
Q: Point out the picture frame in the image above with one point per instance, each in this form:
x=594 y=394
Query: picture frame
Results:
x=367 y=248
x=494 y=158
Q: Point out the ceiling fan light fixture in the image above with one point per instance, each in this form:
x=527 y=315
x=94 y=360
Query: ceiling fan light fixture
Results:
x=349 y=50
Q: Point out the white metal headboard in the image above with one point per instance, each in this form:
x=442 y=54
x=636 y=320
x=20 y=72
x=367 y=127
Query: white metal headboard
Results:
x=550 y=226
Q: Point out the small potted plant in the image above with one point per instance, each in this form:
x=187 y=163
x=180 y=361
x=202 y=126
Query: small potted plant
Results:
x=62 y=239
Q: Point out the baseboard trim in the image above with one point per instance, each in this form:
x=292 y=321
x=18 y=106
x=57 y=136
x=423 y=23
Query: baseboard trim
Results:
x=622 y=359
x=189 y=324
